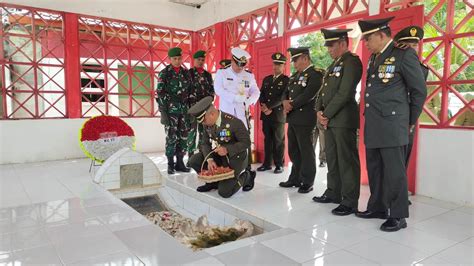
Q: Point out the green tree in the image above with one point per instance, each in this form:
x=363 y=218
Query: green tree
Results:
x=458 y=58
x=319 y=53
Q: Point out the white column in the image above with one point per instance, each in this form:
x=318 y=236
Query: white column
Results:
x=281 y=17
x=374 y=7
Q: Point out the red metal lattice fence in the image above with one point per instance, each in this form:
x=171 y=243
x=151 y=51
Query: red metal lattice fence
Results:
x=119 y=61
x=31 y=74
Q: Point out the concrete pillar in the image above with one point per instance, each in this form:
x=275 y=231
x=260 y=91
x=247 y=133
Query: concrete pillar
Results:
x=281 y=17
x=374 y=7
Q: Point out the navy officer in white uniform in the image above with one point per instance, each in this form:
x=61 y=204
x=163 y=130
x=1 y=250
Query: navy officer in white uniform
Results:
x=236 y=86
x=237 y=91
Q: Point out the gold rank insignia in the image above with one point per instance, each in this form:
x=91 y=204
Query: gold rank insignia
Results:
x=413 y=32
x=277 y=56
x=384 y=80
x=392 y=59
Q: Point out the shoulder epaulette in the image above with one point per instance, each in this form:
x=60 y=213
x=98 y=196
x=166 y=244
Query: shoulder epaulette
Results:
x=402 y=46
x=320 y=70
x=226 y=67
x=248 y=71
x=228 y=116
x=424 y=65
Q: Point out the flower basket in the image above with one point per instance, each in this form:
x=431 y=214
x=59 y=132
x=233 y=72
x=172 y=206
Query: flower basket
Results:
x=221 y=173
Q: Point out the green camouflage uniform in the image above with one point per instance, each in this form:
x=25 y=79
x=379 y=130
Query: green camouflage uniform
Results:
x=202 y=87
x=174 y=99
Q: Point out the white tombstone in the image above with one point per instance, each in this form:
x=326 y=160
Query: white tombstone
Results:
x=128 y=170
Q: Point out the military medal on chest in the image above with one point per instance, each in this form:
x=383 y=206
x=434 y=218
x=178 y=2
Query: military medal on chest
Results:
x=337 y=71
x=224 y=135
x=303 y=80
x=386 y=72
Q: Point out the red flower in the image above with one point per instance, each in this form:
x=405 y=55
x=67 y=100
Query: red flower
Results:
x=104 y=125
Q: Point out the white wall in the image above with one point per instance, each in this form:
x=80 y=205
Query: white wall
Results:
x=156 y=12
x=220 y=10
x=56 y=139
x=446 y=165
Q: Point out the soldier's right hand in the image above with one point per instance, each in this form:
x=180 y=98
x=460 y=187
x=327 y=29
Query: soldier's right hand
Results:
x=211 y=165
x=165 y=121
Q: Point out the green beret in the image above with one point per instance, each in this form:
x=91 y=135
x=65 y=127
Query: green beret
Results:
x=199 y=109
x=176 y=51
x=199 y=54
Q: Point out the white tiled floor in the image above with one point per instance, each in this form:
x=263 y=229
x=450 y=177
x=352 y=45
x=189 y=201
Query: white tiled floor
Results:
x=51 y=213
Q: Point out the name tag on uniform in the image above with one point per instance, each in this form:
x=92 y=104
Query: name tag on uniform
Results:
x=230 y=79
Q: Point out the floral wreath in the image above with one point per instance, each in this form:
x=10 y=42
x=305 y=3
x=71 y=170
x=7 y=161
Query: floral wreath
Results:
x=102 y=136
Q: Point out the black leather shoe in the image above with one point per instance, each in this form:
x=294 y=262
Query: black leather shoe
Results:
x=264 y=168
x=305 y=189
x=325 y=199
x=289 y=184
x=393 y=224
x=207 y=187
x=278 y=170
x=322 y=164
x=342 y=210
x=249 y=182
x=371 y=214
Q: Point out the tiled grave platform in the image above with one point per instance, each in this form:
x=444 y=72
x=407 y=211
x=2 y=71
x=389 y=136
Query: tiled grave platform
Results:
x=52 y=213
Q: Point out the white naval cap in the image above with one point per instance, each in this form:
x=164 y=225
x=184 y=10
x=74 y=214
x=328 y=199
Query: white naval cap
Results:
x=240 y=55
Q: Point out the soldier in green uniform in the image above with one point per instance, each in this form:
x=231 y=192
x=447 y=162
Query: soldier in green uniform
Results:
x=299 y=105
x=272 y=115
x=338 y=112
x=411 y=36
x=394 y=97
x=173 y=97
x=202 y=87
x=229 y=138
x=225 y=63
